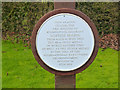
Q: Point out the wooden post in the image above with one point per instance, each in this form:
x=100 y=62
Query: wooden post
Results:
x=58 y=5
x=65 y=81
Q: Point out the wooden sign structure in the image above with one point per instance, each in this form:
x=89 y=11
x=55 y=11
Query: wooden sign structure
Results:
x=64 y=42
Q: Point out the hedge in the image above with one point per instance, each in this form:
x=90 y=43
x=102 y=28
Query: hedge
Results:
x=19 y=18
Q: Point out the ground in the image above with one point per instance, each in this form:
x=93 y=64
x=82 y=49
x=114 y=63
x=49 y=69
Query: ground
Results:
x=21 y=70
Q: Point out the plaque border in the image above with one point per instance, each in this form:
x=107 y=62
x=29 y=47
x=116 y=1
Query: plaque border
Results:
x=58 y=11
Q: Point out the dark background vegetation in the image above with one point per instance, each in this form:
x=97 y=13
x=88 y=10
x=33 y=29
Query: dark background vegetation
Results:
x=19 y=18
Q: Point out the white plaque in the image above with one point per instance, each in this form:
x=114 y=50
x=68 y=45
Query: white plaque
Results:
x=65 y=42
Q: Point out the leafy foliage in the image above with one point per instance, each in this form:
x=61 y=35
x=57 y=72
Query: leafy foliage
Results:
x=104 y=15
x=109 y=40
x=19 y=18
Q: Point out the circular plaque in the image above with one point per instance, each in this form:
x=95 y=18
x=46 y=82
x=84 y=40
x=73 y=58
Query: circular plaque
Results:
x=64 y=41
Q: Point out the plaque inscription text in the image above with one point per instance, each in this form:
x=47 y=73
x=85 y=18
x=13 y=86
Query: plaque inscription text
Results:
x=65 y=42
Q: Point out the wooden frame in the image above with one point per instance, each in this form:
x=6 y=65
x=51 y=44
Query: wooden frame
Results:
x=54 y=12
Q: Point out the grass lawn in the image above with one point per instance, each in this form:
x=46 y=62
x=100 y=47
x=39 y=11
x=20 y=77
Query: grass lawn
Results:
x=21 y=70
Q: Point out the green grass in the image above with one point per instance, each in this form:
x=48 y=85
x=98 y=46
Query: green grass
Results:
x=0 y=64
x=24 y=71
x=101 y=77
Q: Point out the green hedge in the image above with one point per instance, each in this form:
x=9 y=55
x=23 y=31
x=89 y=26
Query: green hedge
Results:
x=20 y=17
x=104 y=15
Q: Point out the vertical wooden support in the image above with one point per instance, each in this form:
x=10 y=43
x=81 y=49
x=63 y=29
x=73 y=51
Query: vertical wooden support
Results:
x=64 y=5
x=64 y=81
x=67 y=81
